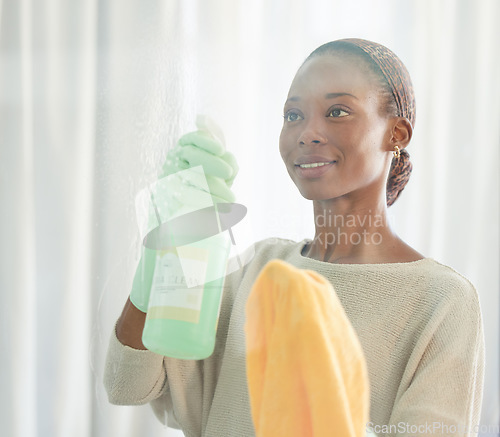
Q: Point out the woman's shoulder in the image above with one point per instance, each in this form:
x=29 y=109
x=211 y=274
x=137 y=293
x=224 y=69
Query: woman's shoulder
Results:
x=446 y=279
x=434 y=286
x=439 y=277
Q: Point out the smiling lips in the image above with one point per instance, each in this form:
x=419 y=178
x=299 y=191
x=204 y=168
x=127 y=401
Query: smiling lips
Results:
x=312 y=159
x=315 y=164
x=310 y=167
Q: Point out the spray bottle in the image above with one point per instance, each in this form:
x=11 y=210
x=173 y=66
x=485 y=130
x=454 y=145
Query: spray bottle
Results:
x=191 y=250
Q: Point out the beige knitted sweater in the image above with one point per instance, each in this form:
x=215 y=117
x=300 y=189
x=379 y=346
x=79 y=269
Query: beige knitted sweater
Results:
x=419 y=324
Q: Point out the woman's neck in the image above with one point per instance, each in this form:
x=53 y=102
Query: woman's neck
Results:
x=351 y=233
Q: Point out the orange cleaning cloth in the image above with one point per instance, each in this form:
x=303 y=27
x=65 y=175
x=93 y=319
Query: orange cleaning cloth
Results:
x=306 y=370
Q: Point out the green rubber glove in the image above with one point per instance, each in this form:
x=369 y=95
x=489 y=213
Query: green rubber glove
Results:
x=203 y=147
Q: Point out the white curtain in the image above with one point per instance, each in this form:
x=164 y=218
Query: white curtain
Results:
x=93 y=94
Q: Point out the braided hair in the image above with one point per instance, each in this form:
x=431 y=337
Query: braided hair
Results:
x=397 y=91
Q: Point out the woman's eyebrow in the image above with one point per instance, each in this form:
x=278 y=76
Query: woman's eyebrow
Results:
x=327 y=96
x=335 y=95
x=292 y=99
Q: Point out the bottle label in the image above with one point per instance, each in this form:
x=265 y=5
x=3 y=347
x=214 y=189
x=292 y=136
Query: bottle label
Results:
x=178 y=282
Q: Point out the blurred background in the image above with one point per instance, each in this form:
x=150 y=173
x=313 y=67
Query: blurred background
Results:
x=94 y=93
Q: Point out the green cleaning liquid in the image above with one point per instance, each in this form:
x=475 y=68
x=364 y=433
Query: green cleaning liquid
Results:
x=185 y=298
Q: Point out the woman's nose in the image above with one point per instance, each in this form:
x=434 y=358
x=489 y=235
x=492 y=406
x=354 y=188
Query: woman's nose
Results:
x=312 y=135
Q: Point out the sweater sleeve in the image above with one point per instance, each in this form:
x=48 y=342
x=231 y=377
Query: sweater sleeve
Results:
x=131 y=376
x=137 y=377
x=441 y=390
x=180 y=392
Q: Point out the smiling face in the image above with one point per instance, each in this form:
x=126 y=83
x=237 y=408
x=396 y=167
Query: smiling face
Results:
x=335 y=140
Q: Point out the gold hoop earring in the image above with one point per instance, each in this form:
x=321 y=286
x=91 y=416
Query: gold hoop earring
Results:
x=397 y=152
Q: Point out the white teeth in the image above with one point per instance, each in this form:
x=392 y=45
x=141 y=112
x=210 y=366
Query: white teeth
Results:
x=314 y=164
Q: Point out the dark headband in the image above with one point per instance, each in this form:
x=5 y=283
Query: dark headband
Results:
x=395 y=73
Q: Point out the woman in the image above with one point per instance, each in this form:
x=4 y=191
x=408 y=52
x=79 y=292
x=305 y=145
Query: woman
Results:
x=348 y=119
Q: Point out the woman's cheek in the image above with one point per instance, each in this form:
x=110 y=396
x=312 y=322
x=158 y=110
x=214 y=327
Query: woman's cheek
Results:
x=284 y=145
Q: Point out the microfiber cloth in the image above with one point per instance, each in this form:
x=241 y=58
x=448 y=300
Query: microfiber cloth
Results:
x=306 y=371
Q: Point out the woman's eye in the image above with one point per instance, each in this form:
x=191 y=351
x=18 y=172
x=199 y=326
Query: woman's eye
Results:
x=292 y=116
x=337 y=112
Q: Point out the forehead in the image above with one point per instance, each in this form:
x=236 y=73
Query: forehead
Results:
x=331 y=74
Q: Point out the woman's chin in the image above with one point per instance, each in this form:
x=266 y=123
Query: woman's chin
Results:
x=315 y=194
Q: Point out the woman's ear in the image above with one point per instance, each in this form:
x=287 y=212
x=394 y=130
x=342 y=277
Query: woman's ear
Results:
x=401 y=132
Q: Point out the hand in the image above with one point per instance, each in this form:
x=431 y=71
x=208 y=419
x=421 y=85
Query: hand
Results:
x=204 y=147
